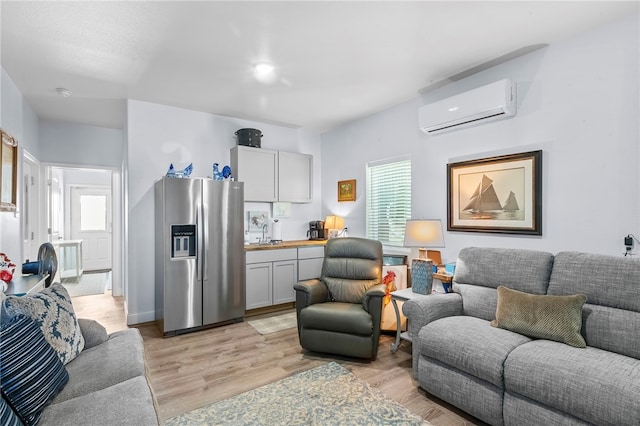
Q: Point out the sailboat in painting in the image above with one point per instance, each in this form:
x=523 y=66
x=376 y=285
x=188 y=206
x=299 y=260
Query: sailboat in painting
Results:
x=511 y=204
x=484 y=198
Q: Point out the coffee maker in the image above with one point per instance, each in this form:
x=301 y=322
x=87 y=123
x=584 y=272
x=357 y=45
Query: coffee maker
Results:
x=316 y=230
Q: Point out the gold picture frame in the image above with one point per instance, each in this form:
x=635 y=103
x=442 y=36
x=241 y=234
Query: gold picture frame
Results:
x=8 y=172
x=347 y=190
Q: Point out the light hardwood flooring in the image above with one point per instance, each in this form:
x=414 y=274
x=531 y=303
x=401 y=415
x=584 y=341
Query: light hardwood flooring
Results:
x=192 y=370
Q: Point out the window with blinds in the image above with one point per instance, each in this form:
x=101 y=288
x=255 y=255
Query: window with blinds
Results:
x=388 y=200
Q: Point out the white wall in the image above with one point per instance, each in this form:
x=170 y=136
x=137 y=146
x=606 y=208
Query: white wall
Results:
x=79 y=144
x=19 y=121
x=578 y=101
x=158 y=135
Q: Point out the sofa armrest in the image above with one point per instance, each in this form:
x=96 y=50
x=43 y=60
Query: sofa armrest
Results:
x=423 y=310
x=93 y=332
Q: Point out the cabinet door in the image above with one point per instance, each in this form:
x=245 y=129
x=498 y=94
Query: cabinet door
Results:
x=285 y=275
x=258 y=169
x=259 y=285
x=309 y=268
x=295 y=177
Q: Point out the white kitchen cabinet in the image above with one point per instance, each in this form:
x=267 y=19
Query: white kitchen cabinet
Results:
x=285 y=275
x=295 y=177
x=258 y=169
x=259 y=278
x=310 y=262
x=270 y=276
x=271 y=176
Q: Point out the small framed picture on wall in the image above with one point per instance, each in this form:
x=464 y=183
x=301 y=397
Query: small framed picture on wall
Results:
x=347 y=190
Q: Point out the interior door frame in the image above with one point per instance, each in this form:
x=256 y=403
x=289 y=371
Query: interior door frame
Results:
x=30 y=214
x=118 y=281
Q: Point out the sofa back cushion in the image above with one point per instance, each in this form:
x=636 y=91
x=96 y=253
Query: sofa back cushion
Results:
x=479 y=272
x=611 y=316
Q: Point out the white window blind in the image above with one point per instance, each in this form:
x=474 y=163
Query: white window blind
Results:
x=388 y=200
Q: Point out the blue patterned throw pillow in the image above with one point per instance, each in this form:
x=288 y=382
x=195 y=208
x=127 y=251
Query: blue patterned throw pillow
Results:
x=52 y=310
x=31 y=373
x=7 y=416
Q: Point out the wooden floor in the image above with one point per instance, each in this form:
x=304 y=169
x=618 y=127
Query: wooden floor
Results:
x=193 y=370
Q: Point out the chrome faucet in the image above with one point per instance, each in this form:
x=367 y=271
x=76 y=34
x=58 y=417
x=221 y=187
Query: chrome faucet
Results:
x=264 y=230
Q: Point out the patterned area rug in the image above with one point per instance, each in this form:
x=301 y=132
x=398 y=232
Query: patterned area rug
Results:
x=273 y=324
x=89 y=283
x=325 y=395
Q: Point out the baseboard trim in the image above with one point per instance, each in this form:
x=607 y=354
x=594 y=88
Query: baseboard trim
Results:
x=135 y=319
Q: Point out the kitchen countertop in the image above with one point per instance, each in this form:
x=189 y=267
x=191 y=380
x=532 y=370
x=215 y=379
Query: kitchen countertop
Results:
x=285 y=244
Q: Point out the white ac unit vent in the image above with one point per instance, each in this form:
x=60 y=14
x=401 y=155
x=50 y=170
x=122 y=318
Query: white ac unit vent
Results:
x=487 y=103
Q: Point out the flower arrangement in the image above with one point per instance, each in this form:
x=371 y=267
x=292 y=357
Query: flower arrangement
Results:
x=7 y=269
x=390 y=281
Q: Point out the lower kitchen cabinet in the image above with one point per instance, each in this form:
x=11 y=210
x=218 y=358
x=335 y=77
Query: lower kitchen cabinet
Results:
x=259 y=284
x=270 y=276
x=285 y=275
x=310 y=261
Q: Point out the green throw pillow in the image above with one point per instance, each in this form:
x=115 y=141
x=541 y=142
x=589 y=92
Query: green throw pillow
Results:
x=556 y=318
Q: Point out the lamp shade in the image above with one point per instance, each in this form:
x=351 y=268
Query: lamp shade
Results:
x=423 y=233
x=334 y=222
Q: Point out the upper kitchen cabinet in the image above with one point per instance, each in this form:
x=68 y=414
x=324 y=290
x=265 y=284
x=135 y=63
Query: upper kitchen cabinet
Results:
x=295 y=177
x=271 y=176
x=258 y=169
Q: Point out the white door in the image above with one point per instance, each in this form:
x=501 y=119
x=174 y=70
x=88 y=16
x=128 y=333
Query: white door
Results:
x=30 y=207
x=90 y=216
x=54 y=205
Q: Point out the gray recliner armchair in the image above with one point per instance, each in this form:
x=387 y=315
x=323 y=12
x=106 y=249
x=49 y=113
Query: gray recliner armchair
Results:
x=340 y=312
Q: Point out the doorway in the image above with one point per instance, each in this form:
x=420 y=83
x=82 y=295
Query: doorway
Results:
x=90 y=218
x=30 y=207
x=81 y=205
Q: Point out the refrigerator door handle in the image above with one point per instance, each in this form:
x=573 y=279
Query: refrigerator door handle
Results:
x=205 y=229
x=199 y=254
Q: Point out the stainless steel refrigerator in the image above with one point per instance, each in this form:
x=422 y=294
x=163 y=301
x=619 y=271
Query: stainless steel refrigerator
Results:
x=199 y=253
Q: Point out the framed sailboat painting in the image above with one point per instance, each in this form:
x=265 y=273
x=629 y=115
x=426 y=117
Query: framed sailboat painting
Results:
x=501 y=194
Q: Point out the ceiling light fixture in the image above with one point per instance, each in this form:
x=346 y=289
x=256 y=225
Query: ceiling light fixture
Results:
x=263 y=68
x=65 y=93
x=264 y=72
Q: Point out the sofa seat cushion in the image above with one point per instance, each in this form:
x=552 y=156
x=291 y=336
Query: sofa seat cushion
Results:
x=596 y=386
x=118 y=359
x=126 y=403
x=469 y=344
x=339 y=317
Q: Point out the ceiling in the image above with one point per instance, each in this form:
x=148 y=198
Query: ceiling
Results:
x=335 y=61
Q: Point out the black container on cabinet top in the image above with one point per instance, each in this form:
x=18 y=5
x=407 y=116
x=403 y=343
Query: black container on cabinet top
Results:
x=249 y=137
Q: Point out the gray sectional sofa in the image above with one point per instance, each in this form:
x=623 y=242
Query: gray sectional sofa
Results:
x=506 y=378
x=107 y=383
x=56 y=369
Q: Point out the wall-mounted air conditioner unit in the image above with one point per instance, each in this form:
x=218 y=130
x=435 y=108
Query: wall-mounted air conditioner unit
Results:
x=487 y=103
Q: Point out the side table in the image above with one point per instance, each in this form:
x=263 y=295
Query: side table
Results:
x=408 y=294
x=402 y=295
x=27 y=284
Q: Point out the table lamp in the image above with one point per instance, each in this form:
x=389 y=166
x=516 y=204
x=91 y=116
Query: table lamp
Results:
x=423 y=233
x=333 y=224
